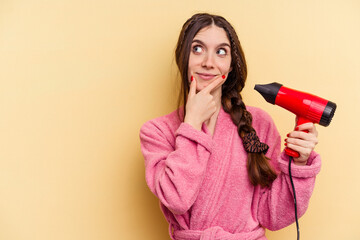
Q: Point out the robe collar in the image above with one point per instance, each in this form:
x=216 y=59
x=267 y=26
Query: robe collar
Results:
x=223 y=125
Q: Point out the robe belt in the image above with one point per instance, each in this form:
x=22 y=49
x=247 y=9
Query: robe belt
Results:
x=217 y=233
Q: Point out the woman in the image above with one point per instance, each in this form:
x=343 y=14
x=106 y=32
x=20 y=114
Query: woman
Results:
x=215 y=164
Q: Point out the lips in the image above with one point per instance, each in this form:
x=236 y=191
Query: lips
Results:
x=206 y=76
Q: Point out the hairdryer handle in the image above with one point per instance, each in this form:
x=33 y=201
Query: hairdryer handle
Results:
x=289 y=151
x=292 y=153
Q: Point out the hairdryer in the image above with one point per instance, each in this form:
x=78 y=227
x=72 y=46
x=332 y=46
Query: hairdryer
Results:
x=307 y=107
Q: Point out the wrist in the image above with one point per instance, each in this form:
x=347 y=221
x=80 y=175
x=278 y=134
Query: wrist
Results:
x=195 y=124
x=300 y=163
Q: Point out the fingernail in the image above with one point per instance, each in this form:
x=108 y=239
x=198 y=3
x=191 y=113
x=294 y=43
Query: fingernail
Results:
x=288 y=135
x=297 y=128
x=192 y=78
x=286 y=139
x=285 y=144
x=223 y=76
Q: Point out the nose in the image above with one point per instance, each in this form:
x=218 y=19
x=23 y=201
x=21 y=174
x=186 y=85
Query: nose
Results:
x=208 y=61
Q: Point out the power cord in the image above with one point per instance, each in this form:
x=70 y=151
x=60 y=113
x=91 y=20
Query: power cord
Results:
x=293 y=188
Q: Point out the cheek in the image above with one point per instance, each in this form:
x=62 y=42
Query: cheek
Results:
x=190 y=64
x=194 y=60
x=193 y=65
x=225 y=65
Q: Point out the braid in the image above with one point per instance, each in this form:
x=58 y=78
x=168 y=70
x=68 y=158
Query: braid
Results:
x=258 y=166
x=259 y=169
x=238 y=58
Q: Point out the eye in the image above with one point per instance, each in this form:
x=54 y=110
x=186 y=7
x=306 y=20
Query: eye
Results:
x=197 y=49
x=221 y=51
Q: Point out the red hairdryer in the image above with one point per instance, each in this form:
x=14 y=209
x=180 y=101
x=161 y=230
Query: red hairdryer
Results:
x=307 y=107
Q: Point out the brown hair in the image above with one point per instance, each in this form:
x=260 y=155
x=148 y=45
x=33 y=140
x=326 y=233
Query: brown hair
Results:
x=258 y=166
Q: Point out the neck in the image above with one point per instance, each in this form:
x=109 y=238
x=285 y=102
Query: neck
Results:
x=217 y=96
x=211 y=122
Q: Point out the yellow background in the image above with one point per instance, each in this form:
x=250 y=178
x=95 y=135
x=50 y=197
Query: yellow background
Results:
x=79 y=78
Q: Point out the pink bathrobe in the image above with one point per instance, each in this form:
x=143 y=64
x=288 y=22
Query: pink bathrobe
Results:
x=203 y=185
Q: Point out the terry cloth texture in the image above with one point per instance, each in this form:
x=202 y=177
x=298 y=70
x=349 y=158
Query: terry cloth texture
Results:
x=202 y=182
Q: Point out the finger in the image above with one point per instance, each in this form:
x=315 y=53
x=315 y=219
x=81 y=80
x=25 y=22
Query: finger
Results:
x=312 y=129
x=303 y=151
x=309 y=126
x=192 y=91
x=212 y=86
x=300 y=161
x=306 y=136
x=302 y=143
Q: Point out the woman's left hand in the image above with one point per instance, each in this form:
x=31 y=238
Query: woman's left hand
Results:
x=302 y=142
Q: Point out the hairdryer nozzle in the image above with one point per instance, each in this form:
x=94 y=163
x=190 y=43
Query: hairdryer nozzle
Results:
x=269 y=91
x=328 y=114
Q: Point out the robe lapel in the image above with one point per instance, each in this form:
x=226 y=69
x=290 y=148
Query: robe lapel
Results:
x=218 y=165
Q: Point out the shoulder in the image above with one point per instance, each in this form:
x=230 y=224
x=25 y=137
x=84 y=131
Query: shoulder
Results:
x=262 y=122
x=259 y=115
x=165 y=125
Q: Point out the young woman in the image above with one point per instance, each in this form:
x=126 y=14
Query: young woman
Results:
x=215 y=164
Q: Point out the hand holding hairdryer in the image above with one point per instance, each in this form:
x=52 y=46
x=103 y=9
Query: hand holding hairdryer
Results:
x=307 y=107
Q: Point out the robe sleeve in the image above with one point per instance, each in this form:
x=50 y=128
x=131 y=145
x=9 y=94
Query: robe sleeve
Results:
x=174 y=171
x=276 y=204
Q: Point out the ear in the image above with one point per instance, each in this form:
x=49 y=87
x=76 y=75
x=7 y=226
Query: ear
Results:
x=230 y=69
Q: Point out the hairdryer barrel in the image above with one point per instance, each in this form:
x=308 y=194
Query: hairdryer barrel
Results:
x=304 y=105
x=307 y=107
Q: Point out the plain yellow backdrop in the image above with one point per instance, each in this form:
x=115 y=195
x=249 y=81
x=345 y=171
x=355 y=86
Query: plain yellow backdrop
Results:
x=79 y=78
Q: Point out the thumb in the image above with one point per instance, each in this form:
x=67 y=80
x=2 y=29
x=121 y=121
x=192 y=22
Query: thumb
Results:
x=192 y=91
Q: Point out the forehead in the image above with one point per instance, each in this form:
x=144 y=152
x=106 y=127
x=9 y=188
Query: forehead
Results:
x=212 y=35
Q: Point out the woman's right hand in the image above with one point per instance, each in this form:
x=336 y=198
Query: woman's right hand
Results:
x=201 y=106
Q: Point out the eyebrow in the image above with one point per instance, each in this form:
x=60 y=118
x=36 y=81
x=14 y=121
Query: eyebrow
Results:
x=202 y=43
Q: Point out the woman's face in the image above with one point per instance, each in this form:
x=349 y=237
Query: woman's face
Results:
x=210 y=56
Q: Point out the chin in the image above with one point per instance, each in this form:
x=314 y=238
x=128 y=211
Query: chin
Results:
x=201 y=87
